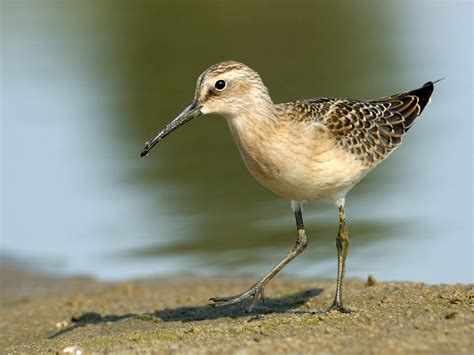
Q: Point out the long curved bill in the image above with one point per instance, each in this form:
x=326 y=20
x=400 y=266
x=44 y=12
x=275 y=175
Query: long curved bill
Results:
x=190 y=112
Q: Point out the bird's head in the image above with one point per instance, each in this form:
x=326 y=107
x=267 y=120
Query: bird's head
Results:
x=228 y=89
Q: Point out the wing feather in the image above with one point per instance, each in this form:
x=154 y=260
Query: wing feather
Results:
x=369 y=129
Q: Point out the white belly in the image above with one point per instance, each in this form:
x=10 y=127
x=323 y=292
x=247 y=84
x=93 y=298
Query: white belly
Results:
x=299 y=165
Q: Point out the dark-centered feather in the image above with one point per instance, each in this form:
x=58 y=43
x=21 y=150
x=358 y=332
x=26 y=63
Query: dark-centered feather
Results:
x=370 y=129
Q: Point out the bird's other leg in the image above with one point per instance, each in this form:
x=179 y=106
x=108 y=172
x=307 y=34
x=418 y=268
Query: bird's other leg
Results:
x=256 y=291
x=342 y=245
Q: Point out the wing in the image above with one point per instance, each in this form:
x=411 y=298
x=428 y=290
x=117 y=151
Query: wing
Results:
x=371 y=129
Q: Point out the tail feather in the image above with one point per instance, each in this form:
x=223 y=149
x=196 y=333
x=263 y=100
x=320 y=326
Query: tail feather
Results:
x=423 y=94
x=409 y=106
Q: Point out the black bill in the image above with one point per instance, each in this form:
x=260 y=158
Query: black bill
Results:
x=190 y=112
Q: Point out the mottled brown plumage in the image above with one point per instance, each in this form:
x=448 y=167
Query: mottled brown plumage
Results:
x=304 y=150
x=369 y=129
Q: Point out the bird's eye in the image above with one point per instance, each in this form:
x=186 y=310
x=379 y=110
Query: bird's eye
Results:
x=220 y=85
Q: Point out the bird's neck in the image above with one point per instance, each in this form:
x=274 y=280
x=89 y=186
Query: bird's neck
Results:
x=253 y=121
x=252 y=129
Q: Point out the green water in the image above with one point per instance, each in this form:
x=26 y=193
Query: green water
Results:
x=86 y=83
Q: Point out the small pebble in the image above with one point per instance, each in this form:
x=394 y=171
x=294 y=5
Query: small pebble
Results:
x=76 y=350
x=370 y=281
x=62 y=324
x=450 y=315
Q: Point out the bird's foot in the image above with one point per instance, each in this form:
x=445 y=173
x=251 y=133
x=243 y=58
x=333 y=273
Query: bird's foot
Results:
x=255 y=292
x=337 y=306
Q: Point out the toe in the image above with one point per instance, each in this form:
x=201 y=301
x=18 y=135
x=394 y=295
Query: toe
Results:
x=219 y=299
x=337 y=306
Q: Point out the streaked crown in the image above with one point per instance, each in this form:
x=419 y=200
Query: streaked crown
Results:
x=229 y=87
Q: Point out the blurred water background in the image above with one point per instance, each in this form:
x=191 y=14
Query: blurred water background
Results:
x=85 y=83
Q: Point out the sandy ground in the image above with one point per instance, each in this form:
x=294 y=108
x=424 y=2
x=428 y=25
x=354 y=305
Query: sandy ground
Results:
x=41 y=314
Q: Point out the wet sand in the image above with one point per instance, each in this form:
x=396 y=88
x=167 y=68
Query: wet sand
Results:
x=41 y=314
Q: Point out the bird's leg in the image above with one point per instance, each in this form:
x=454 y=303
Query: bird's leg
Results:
x=256 y=291
x=342 y=244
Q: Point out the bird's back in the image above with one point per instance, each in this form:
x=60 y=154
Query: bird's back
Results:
x=368 y=129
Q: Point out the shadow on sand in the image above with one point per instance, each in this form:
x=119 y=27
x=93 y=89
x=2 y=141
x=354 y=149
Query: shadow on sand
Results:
x=198 y=313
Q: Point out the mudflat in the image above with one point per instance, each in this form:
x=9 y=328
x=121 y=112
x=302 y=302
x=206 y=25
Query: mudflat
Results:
x=41 y=314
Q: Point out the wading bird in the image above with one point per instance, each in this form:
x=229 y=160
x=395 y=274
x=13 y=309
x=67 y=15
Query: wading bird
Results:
x=302 y=150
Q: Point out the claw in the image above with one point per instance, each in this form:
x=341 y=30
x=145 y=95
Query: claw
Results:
x=219 y=299
x=255 y=292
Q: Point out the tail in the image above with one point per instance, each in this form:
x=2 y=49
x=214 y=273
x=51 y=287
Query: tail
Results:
x=408 y=106
x=423 y=94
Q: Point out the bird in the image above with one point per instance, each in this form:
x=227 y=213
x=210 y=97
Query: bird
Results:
x=311 y=149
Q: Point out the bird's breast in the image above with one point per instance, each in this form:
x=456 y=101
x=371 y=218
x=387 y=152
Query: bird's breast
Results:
x=296 y=161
